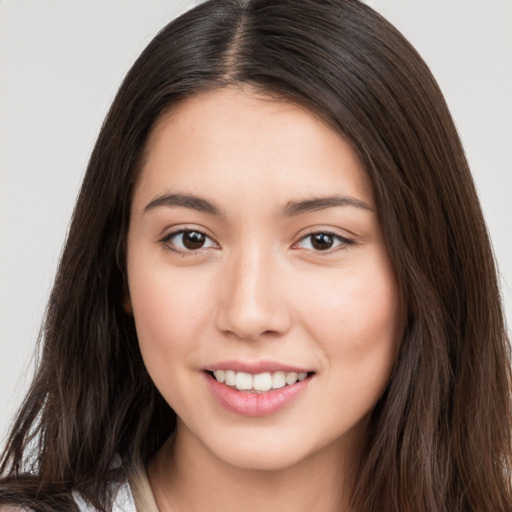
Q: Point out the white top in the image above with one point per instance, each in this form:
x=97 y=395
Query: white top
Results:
x=133 y=495
x=123 y=501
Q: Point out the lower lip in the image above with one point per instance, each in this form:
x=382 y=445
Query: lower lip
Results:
x=255 y=404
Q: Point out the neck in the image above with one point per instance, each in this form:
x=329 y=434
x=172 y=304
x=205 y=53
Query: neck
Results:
x=185 y=476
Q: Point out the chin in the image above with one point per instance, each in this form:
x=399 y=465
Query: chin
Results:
x=258 y=459
x=267 y=452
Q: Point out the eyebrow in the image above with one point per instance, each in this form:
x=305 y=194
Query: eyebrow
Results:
x=291 y=209
x=185 y=201
x=294 y=208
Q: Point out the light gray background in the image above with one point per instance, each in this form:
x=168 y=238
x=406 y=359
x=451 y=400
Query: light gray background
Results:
x=61 y=62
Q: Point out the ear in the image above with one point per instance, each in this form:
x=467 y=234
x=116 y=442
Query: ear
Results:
x=127 y=304
x=126 y=301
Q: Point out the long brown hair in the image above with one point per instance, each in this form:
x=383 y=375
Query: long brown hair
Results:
x=440 y=436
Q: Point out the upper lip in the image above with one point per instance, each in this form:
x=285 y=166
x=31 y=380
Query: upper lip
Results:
x=256 y=367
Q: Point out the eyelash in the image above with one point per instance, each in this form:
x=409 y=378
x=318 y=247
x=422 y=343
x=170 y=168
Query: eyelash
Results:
x=165 y=241
x=343 y=241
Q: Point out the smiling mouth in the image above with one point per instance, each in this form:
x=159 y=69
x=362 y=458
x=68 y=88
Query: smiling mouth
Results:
x=260 y=382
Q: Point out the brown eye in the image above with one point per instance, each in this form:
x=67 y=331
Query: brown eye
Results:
x=193 y=240
x=188 y=241
x=322 y=241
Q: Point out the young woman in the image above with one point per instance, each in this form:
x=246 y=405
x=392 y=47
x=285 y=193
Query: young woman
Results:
x=277 y=291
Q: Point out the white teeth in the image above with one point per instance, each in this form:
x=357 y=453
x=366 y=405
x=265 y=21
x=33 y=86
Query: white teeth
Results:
x=243 y=381
x=230 y=377
x=220 y=375
x=278 y=380
x=266 y=381
x=262 y=382
x=291 y=378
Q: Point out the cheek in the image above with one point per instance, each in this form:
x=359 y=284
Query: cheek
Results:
x=170 y=310
x=354 y=316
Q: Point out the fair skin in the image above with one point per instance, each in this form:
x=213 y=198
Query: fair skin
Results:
x=254 y=247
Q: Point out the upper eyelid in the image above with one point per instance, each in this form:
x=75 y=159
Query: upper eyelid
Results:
x=334 y=235
x=344 y=242
x=174 y=232
x=326 y=228
x=164 y=240
x=344 y=239
x=332 y=232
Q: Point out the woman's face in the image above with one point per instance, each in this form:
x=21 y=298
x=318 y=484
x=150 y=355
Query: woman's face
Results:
x=265 y=303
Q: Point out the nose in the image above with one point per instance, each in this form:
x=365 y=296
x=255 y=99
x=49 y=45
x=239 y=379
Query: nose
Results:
x=253 y=297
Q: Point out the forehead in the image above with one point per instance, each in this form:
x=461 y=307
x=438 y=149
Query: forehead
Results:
x=238 y=140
